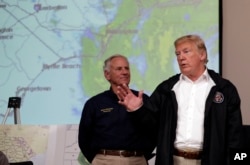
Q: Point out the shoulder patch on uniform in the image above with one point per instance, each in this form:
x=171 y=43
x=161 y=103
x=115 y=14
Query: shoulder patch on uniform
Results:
x=218 y=97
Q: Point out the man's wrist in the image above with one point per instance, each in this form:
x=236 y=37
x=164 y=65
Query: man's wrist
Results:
x=135 y=109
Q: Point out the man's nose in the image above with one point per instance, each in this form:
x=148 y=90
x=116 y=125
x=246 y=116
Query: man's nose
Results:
x=180 y=56
x=125 y=71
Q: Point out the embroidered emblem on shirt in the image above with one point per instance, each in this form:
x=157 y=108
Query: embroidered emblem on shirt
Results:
x=107 y=110
x=219 y=97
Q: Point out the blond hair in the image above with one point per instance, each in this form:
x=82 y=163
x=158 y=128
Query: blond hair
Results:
x=196 y=40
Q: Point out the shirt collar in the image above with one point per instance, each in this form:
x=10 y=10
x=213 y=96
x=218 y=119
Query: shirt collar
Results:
x=112 y=93
x=204 y=77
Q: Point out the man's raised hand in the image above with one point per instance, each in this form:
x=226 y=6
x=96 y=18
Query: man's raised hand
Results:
x=128 y=99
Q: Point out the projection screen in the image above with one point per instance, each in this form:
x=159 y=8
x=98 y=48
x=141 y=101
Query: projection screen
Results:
x=52 y=52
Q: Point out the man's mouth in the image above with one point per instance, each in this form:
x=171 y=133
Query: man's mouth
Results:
x=183 y=65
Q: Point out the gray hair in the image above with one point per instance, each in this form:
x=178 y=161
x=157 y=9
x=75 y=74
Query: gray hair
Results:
x=106 y=66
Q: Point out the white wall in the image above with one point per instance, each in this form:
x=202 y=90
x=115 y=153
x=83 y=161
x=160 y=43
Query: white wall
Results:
x=236 y=49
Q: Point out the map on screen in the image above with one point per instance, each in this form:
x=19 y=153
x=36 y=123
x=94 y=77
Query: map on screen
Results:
x=52 y=52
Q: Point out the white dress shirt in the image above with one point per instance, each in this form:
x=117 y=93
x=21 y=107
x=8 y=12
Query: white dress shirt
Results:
x=191 y=97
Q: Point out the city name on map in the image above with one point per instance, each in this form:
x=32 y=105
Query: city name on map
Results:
x=63 y=66
x=6 y=33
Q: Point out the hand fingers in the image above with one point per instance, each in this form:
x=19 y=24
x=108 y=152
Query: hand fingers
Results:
x=119 y=95
x=124 y=88
x=121 y=92
x=140 y=94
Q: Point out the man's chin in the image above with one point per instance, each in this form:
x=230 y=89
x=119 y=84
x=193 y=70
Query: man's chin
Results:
x=185 y=71
x=122 y=83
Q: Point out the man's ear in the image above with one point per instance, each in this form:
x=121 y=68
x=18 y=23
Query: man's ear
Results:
x=203 y=55
x=107 y=75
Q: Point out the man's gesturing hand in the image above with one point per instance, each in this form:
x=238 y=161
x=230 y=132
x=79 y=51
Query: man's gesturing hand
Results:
x=128 y=99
